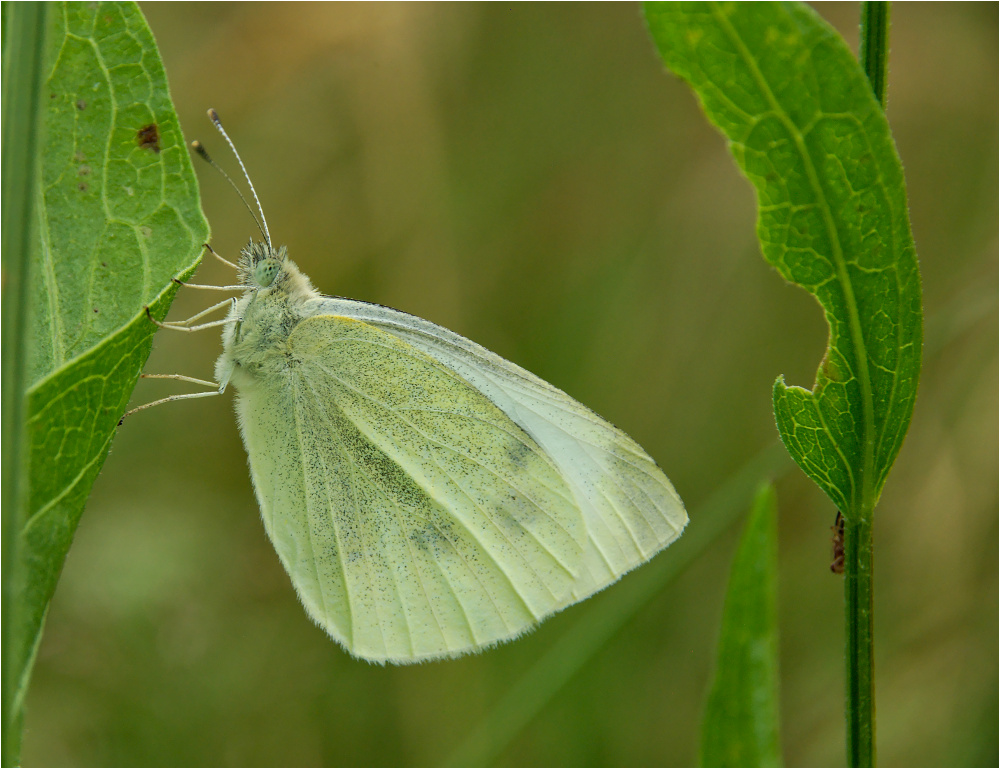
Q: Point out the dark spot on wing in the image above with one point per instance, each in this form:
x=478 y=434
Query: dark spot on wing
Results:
x=517 y=453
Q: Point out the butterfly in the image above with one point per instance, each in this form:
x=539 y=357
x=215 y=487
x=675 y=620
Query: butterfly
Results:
x=427 y=497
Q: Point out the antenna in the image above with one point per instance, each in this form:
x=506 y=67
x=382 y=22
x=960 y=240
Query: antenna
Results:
x=214 y=117
x=203 y=154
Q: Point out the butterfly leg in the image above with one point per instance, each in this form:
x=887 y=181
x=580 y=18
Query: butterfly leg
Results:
x=185 y=325
x=221 y=259
x=219 y=390
x=210 y=288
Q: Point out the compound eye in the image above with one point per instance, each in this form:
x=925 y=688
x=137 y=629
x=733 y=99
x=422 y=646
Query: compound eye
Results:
x=265 y=272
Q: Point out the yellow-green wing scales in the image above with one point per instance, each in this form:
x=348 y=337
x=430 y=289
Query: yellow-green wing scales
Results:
x=630 y=508
x=415 y=518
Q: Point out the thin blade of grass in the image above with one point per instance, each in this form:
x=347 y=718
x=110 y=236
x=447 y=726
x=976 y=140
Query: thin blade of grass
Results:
x=740 y=726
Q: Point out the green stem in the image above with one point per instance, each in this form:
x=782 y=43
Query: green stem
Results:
x=23 y=61
x=874 y=53
x=858 y=546
x=858 y=598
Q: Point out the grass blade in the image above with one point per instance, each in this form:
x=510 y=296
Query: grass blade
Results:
x=23 y=67
x=740 y=727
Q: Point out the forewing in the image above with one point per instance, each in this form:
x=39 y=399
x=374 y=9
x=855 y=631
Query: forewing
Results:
x=630 y=507
x=415 y=519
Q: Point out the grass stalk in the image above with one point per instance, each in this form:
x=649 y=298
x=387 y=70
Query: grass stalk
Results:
x=23 y=61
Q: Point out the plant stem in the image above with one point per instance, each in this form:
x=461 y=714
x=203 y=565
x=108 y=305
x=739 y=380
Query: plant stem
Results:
x=858 y=545
x=874 y=53
x=23 y=57
x=858 y=606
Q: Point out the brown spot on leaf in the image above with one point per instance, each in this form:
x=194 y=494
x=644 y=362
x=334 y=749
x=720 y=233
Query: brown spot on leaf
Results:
x=148 y=137
x=83 y=171
x=82 y=186
x=81 y=104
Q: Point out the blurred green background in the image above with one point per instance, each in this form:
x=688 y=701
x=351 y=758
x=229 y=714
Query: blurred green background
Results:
x=532 y=178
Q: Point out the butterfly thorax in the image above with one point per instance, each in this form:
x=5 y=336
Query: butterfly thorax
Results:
x=255 y=342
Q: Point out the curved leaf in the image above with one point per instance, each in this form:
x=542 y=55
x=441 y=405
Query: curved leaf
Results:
x=119 y=216
x=807 y=131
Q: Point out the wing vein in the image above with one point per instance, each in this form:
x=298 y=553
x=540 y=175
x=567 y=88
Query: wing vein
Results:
x=431 y=440
x=300 y=442
x=443 y=534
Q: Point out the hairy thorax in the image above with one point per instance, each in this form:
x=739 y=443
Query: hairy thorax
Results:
x=255 y=345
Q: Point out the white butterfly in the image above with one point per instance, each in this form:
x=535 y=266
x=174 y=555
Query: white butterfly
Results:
x=427 y=497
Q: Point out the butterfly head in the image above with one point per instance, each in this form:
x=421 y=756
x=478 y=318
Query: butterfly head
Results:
x=262 y=266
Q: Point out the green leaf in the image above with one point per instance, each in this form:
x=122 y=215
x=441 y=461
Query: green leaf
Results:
x=740 y=727
x=119 y=216
x=806 y=129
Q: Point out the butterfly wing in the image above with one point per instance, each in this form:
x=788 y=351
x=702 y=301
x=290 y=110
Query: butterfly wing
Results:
x=630 y=508
x=415 y=519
